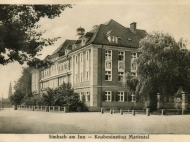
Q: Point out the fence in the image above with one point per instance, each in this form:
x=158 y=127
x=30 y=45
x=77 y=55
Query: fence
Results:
x=127 y=111
x=147 y=111
x=43 y=108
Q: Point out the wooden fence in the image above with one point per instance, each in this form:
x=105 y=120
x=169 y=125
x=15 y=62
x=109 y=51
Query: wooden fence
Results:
x=43 y=108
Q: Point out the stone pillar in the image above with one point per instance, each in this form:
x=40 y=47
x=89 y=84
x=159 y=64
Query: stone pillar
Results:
x=121 y=111
x=102 y=111
x=110 y=111
x=49 y=108
x=58 y=108
x=184 y=103
x=148 y=111
x=133 y=112
x=53 y=108
x=158 y=100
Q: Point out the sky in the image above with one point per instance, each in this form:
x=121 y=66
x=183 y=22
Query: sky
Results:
x=165 y=16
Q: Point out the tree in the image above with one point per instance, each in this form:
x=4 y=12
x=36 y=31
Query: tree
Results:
x=163 y=66
x=24 y=82
x=21 y=38
x=63 y=95
x=17 y=97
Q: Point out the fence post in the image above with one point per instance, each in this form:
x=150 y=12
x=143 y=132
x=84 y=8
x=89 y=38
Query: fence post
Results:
x=110 y=111
x=102 y=111
x=121 y=111
x=148 y=111
x=182 y=112
x=163 y=112
x=53 y=108
x=133 y=112
x=65 y=109
x=58 y=108
x=49 y=108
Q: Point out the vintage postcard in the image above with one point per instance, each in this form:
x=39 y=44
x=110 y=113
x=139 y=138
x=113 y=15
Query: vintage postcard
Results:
x=94 y=71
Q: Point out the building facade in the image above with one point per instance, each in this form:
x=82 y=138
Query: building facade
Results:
x=95 y=65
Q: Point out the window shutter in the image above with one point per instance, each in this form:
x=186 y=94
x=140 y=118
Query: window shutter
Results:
x=125 y=96
x=115 y=96
x=112 y=96
x=103 y=96
x=129 y=97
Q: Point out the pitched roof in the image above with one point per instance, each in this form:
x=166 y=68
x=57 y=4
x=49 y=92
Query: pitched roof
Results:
x=127 y=37
x=62 y=47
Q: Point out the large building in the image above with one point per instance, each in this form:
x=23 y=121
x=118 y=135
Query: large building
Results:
x=95 y=64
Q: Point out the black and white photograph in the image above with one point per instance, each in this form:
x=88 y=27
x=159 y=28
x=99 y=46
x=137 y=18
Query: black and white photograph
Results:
x=95 y=71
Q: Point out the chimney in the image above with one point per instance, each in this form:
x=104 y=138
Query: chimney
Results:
x=133 y=27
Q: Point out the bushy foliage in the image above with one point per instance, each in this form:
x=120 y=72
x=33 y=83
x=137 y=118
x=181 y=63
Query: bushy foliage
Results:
x=63 y=95
x=32 y=99
x=17 y=97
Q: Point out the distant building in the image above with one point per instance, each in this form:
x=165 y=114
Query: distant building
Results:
x=10 y=91
x=95 y=64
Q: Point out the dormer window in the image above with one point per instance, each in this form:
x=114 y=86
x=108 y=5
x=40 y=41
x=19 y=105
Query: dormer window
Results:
x=112 y=36
x=113 y=39
x=83 y=42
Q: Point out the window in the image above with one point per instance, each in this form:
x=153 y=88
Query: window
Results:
x=108 y=65
x=133 y=98
x=81 y=57
x=81 y=96
x=87 y=75
x=133 y=55
x=87 y=97
x=121 y=96
x=121 y=56
x=108 y=76
x=133 y=66
x=113 y=39
x=133 y=74
x=120 y=76
x=87 y=55
x=108 y=55
x=76 y=59
x=121 y=65
x=81 y=77
x=108 y=95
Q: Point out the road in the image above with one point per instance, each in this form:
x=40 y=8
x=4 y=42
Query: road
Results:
x=36 y=122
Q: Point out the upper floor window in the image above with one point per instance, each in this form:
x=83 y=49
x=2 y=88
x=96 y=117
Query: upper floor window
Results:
x=120 y=76
x=133 y=55
x=76 y=59
x=81 y=57
x=108 y=76
x=113 y=39
x=121 y=56
x=108 y=55
x=87 y=55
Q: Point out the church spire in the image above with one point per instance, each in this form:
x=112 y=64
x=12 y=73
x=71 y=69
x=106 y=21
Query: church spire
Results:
x=10 y=90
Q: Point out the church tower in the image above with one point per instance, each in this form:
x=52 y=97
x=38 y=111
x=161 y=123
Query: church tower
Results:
x=10 y=90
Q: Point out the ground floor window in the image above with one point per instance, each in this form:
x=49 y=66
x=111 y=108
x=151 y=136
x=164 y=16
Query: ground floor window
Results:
x=87 y=97
x=81 y=96
x=133 y=98
x=108 y=95
x=121 y=96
